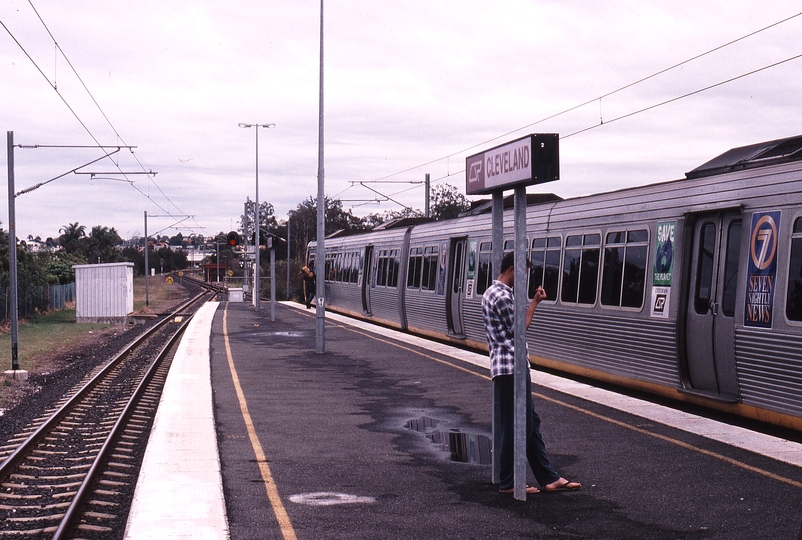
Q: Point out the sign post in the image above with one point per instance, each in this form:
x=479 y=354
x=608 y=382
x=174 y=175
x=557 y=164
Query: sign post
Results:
x=533 y=159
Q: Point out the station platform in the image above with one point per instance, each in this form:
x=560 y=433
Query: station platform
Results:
x=386 y=435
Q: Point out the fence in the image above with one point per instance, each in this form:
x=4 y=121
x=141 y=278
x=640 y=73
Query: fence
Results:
x=38 y=299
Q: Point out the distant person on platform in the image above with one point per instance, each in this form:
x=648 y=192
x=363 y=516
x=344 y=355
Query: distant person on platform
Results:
x=498 y=309
x=309 y=285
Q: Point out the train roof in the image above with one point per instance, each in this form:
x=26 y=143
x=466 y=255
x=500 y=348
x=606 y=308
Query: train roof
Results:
x=484 y=206
x=753 y=155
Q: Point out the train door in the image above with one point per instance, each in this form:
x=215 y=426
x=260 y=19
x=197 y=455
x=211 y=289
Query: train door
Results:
x=365 y=277
x=710 y=307
x=456 y=285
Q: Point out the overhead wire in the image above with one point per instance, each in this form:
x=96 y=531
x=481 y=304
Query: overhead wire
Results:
x=103 y=113
x=53 y=84
x=605 y=95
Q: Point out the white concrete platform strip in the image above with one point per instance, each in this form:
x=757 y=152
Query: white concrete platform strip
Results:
x=179 y=494
x=759 y=443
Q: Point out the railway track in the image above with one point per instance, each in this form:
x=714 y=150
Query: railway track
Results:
x=72 y=472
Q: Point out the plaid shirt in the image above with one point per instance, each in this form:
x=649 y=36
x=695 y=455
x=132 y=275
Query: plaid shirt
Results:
x=498 y=310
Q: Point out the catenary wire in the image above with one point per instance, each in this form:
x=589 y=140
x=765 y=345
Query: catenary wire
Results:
x=53 y=85
x=598 y=98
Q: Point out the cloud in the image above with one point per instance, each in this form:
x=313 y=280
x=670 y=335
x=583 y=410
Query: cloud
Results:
x=406 y=84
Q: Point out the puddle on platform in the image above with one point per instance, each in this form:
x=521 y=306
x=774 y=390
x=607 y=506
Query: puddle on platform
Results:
x=283 y=334
x=463 y=447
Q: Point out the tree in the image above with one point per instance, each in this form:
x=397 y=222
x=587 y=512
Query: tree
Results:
x=177 y=240
x=304 y=222
x=267 y=221
x=72 y=238
x=447 y=202
x=102 y=244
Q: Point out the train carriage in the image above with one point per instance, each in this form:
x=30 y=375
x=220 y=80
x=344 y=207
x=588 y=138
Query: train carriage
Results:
x=690 y=289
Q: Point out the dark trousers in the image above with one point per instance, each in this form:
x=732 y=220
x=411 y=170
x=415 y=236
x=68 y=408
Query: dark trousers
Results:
x=535 y=448
x=309 y=291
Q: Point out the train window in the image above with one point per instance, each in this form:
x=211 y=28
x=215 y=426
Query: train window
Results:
x=345 y=271
x=641 y=235
x=581 y=269
x=381 y=269
x=704 y=270
x=731 y=269
x=624 y=273
x=338 y=267
x=415 y=269
x=329 y=270
x=429 y=277
x=484 y=274
x=545 y=271
x=387 y=268
x=793 y=303
x=393 y=262
x=509 y=245
x=354 y=267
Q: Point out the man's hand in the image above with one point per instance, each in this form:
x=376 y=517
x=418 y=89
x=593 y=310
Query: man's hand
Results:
x=540 y=295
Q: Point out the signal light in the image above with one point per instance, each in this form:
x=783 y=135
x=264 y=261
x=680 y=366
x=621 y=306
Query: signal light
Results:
x=233 y=238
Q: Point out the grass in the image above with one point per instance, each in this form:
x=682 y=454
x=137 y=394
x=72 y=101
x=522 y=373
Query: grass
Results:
x=42 y=335
x=159 y=291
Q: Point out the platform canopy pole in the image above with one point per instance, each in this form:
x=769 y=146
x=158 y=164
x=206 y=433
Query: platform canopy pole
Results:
x=521 y=354
x=498 y=254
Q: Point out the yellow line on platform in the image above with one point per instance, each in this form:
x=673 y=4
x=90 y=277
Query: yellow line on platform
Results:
x=272 y=492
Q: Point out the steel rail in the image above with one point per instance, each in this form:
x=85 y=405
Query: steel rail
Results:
x=73 y=512
x=16 y=457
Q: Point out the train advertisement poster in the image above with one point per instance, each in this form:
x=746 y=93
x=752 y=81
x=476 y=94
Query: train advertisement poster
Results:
x=664 y=253
x=663 y=269
x=762 y=270
x=471 y=277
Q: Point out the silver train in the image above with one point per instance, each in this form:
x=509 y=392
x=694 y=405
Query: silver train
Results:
x=690 y=289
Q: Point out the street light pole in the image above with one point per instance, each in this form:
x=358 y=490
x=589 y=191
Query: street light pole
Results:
x=256 y=272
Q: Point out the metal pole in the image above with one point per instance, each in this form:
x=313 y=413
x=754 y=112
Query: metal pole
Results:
x=257 y=269
x=247 y=262
x=217 y=262
x=273 y=284
x=320 y=259
x=521 y=356
x=12 y=255
x=498 y=254
x=288 y=256
x=426 y=211
x=147 y=270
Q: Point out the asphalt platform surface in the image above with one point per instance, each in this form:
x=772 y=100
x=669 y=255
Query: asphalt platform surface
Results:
x=353 y=447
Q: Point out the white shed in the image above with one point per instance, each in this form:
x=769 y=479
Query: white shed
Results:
x=104 y=293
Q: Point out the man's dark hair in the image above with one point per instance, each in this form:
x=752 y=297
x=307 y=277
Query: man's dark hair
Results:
x=507 y=262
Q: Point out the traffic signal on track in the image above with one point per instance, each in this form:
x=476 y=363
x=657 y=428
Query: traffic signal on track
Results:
x=233 y=238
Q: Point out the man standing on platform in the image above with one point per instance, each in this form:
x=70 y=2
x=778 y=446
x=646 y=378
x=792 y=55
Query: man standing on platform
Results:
x=498 y=309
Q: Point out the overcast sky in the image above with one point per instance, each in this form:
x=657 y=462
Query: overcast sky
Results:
x=410 y=87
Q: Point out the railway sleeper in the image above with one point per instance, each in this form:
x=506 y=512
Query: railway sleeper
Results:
x=94 y=528
x=48 y=517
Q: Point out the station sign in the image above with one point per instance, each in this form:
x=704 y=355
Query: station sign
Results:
x=534 y=159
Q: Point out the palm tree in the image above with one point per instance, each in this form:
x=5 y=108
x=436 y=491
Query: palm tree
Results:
x=71 y=236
